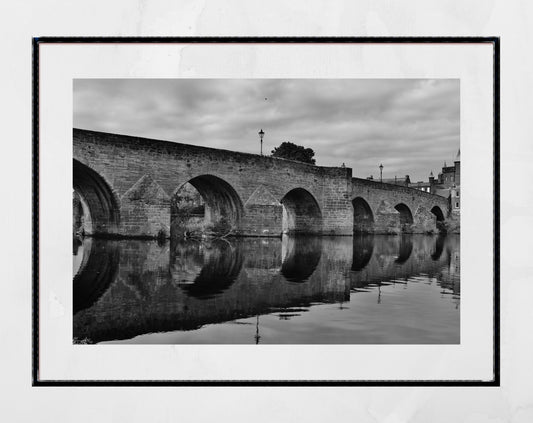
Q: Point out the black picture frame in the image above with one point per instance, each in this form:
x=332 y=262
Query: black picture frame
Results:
x=38 y=41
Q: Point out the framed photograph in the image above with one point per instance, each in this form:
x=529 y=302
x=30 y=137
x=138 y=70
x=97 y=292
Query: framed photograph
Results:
x=266 y=211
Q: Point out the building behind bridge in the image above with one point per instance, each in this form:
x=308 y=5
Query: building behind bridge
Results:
x=447 y=184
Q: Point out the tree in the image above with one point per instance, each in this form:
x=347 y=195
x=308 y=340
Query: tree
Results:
x=288 y=150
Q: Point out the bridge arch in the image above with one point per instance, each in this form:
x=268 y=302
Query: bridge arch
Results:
x=363 y=218
x=406 y=217
x=222 y=207
x=100 y=206
x=301 y=212
x=437 y=211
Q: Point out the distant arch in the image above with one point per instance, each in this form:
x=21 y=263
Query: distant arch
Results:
x=99 y=204
x=437 y=211
x=363 y=218
x=406 y=217
x=441 y=226
x=222 y=207
x=301 y=212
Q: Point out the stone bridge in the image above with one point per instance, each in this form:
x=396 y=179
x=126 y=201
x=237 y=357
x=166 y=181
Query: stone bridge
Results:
x=126 y=187
x=389 y=208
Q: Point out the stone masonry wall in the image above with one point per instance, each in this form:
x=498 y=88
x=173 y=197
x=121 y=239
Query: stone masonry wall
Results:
x=143 y=175
x=162 y=167
x=382 y=198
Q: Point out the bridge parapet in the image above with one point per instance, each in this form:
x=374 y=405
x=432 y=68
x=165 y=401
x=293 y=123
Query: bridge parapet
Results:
x=392 y=187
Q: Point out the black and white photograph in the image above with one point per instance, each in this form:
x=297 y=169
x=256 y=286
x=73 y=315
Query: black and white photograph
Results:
x=266 y=211
x=233 y=212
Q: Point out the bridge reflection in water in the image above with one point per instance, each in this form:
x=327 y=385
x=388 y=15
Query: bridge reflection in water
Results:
x=309 y=290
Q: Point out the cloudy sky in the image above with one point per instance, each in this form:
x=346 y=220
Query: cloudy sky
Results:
x=409 y=125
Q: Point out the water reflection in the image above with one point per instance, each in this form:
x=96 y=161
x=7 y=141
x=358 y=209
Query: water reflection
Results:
x=302 y=257
x=215 y=291
x=406 y=247
x=439 y=247
x=363 y=247
x=95 y=267
x=205 y=269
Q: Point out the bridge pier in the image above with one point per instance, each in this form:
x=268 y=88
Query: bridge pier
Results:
x=424 y=221
x=263 y=214
x=145 y=209
x=262 y=220
x=387 y=219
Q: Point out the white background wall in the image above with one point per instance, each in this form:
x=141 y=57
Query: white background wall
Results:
x=513 y=401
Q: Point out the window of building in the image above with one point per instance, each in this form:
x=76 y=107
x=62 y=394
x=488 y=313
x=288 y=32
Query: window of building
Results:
x=456 y=205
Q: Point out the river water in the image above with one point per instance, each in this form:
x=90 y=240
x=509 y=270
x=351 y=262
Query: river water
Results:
x=295 y=290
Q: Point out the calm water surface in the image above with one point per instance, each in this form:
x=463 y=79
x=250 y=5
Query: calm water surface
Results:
x=308 y=290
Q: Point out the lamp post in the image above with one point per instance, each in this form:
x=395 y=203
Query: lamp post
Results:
x=257 y=337
x=381 y=173
x=261 y=134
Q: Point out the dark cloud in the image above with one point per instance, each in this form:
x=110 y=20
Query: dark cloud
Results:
x=409 y=125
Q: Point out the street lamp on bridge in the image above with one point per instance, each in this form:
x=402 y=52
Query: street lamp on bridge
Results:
x=261 y=134
x=381 y=173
